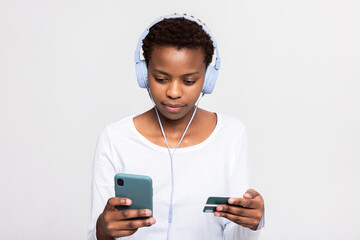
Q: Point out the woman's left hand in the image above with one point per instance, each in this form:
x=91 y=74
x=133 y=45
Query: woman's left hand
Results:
x=246 y=211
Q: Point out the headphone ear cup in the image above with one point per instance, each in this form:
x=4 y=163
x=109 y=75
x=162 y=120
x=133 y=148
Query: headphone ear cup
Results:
x=142 y=74
x=210 y=80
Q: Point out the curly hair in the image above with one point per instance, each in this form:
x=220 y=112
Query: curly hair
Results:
x=179 y=33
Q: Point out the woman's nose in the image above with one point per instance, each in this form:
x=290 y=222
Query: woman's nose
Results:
x=174 y=89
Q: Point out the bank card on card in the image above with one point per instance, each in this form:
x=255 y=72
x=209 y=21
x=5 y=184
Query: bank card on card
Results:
x=212 y=203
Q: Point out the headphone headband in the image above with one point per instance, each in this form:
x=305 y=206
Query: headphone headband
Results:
x=211 y=71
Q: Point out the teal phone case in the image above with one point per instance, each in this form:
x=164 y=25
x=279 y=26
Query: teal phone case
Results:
x=136 y=187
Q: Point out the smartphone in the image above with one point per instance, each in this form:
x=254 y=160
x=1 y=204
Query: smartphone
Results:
x=136 y=187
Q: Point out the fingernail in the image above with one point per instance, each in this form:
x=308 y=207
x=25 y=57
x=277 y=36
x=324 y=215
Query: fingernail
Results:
x=220 y=208
x=128 y=201
x=217 y=215
x=231 y=201
x=247 y=195
x=151 y=221
x=147 y=212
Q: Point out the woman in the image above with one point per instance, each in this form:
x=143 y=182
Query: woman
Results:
x=190 y=153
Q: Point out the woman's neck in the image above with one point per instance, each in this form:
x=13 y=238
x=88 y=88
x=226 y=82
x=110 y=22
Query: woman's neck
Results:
x=201 y=127
x=175 y=128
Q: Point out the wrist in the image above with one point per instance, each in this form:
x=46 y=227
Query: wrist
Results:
x=100 y=231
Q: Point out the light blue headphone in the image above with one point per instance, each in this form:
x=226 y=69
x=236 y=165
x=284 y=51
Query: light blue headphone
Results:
x=211 y=71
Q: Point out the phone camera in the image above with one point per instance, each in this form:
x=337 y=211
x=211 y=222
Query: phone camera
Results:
x=120 y=182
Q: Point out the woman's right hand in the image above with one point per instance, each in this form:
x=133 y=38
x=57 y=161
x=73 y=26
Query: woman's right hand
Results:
x=120 y=223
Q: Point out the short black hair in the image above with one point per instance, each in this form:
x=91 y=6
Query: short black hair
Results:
x=179 y=33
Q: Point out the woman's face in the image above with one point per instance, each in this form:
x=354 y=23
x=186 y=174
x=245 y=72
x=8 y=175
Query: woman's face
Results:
x=175 y=80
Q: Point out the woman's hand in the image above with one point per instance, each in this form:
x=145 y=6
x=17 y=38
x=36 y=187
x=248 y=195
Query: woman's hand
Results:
x=120 y=223
x=246 y=211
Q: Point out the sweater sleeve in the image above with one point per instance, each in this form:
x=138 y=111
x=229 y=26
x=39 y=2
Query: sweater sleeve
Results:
x=102 y=181
x=239 y=183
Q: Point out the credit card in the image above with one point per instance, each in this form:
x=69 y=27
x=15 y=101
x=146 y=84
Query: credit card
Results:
x=212 y=203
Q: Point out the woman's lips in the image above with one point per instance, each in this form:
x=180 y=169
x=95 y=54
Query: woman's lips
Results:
x=173 y=108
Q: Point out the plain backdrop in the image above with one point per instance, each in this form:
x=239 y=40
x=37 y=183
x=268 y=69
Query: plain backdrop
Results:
x=290 y=72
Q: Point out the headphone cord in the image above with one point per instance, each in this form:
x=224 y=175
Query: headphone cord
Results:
x=171 y=154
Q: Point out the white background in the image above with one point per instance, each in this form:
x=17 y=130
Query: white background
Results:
x=290 y=72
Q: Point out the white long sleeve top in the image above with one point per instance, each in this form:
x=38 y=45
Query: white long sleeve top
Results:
x=217 y=166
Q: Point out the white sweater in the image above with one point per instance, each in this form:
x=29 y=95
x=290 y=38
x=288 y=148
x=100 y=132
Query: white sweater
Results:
x=216 y=167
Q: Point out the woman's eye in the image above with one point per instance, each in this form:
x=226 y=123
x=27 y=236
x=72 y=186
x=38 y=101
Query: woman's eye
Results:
x=160 y=79
x=189 y=82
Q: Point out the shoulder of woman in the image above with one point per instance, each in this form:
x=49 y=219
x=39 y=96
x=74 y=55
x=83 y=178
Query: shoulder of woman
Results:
x=230 y=121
